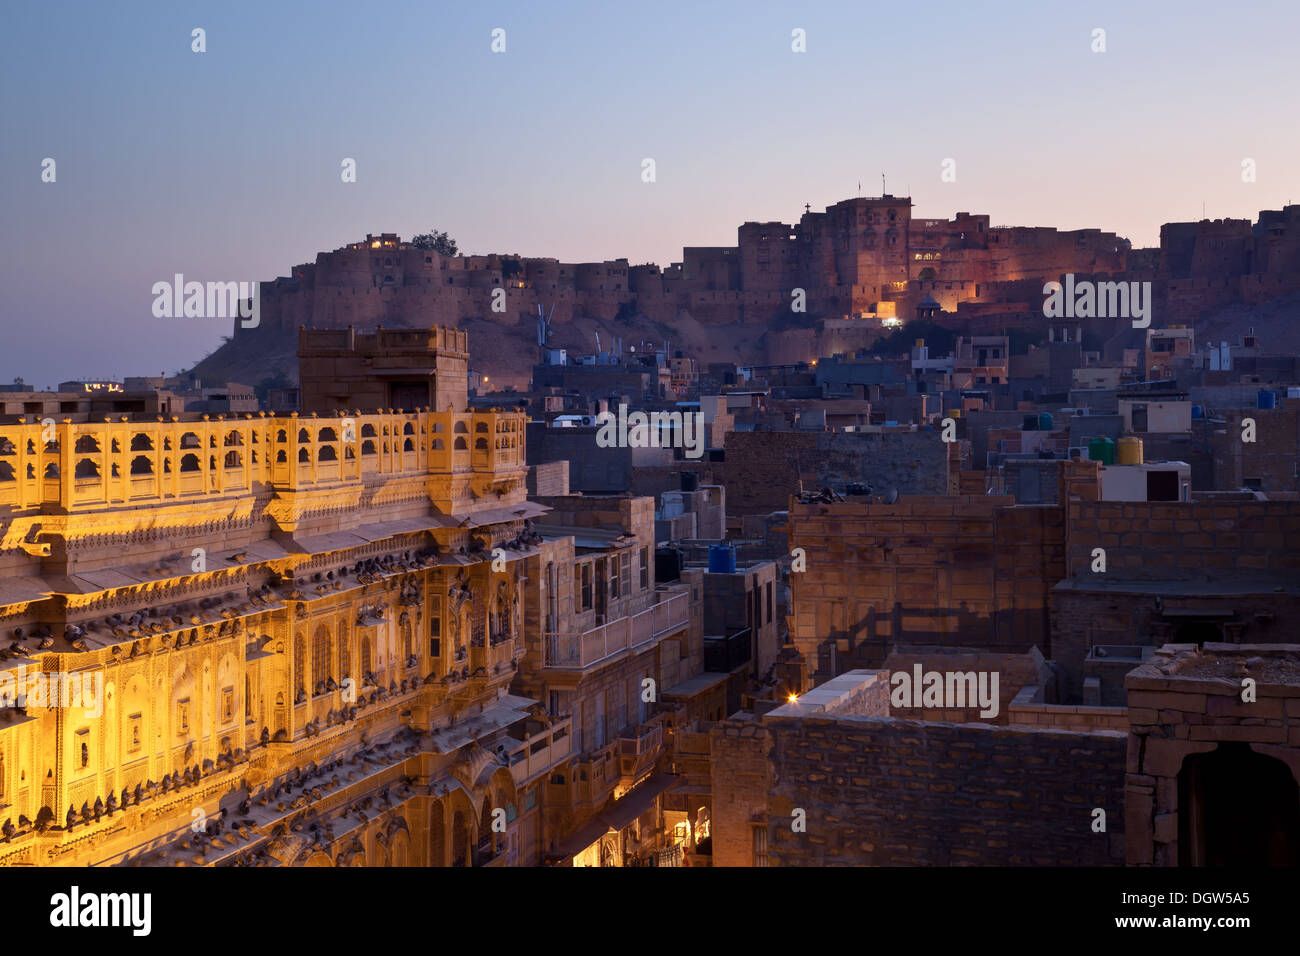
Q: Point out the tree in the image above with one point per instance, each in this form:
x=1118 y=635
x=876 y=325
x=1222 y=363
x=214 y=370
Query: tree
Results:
x=439 y=242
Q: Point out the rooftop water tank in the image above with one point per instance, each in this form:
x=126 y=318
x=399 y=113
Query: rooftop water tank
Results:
x=1265 y=399
x=722 y=559
x=1101 y=449
x=1129 y=451
x=1045 y=422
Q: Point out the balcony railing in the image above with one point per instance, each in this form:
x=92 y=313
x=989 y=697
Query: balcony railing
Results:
x=637 y=741
x=595 y=645
x=540 y=751
x=88 y=464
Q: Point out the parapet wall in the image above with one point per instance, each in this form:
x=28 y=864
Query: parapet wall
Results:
x=885 y=792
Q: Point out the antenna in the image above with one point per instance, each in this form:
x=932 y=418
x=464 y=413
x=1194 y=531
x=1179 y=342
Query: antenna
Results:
x=882 y=186
x=544 y=325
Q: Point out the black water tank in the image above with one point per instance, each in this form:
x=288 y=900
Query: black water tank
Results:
x=668 y=564
x=690 y=481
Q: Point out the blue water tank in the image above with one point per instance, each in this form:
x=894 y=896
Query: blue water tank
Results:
x=1045 y=422
x=722 y=559
x=1265 y=399
x=1198 y=411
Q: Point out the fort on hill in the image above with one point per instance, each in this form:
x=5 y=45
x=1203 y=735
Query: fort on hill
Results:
x=856 y=268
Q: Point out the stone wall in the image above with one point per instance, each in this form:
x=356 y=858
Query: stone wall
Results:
x=967 y=570
x=1186 y=540
x=762 y=470
x=889 y=792
x=1186 y=702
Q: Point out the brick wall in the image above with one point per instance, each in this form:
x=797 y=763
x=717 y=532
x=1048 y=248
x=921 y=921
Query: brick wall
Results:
x=1271 y=457
x=882 y=792
x=1161 y=541
x=548 y=478
x=762 y=469
x=741 y=777
x=1015 y=671
x=1185 y=702
x=967 y=570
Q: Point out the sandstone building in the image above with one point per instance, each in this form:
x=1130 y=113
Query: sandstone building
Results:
x=301 y=640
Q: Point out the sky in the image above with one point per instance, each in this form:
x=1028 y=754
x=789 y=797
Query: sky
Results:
x=225 y=165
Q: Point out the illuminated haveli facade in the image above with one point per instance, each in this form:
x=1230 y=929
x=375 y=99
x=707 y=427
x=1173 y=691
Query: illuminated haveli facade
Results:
x=294 y=638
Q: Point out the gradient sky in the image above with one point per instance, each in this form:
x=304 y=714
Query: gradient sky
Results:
x=225 y=165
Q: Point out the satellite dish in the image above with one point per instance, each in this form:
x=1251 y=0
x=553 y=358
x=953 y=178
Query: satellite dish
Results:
x=891 y=496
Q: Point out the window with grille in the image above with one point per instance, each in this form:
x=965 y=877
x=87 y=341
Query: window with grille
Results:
x=320 y=656
x=760 y=846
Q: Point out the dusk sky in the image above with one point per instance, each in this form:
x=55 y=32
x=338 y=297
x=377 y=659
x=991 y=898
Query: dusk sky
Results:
x=225 y=165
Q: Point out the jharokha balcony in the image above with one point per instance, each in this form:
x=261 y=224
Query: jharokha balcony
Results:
x=578 y=651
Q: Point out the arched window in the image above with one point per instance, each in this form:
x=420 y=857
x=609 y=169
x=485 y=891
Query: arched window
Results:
x=326 y=453
x=303 y=456
x=51 y=470
x=368 y=431
x=480 y=426
x=86 y=469
x=437 y=444
x=320 y=655
x=141 y=442
x=190 y=463
x=365 y=655
x=345 y=657
x=460 y=445
x=304 y=435
x=327 y=434
x=481 y=444
x=368 y=448
x=281 y=457
x=190 y=440
x=234 y=439
x=6 y=471
x=437 y=427
x=141 y=465
x=299 y=661
x=233 y=460
x=408 y=445
x=86 y=445
x=460 y=429
x=281 y=435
